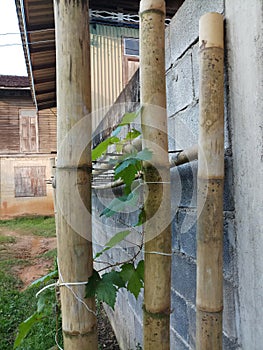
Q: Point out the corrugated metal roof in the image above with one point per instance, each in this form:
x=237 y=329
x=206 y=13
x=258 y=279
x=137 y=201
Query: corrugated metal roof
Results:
x=36 y=21
x=107 y=75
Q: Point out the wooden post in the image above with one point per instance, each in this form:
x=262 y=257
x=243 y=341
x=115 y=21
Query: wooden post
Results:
x=73 y=173
x=209 y=299
x=157 y=230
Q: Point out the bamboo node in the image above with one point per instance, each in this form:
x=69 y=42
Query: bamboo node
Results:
x=157 y=315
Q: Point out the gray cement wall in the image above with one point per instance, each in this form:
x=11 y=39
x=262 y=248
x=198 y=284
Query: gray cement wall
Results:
x=243 y=203
x=244 y=23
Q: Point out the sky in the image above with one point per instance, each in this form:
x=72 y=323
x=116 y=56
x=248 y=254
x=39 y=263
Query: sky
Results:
x=12 y=61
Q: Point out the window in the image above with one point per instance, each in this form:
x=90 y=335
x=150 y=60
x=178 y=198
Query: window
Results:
x=28 y=130
x=30 y=181
x=131 y=47
x=130 y=58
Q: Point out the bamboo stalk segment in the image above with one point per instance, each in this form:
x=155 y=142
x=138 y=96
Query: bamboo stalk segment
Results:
x=209 y=299
x=157 y=206
x=73 y=101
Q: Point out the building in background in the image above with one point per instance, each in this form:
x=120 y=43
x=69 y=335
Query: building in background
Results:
x=27 y=142
x=27 y=106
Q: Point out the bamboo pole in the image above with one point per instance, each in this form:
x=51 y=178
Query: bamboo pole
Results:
x=209 y=299
x=157 y=206
x=73 y=173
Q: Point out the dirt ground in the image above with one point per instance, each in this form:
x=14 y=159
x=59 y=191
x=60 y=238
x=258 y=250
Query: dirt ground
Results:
x=30 y=249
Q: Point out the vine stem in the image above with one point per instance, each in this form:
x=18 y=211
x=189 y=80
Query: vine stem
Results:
x=120 y=263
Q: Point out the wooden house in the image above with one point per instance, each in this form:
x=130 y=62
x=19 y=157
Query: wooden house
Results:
x=27 y=142
x=27 y=105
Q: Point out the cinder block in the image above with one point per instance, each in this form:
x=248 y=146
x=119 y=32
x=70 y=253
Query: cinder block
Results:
x=179 y=317
x=183 y=185
x=186 y=226
x=183 y=128
x=171 y=133
x=184 y=277
x=192 y=325
x=229 y=311
x=179 y=86
x=184 y=26
x=138 y=332
x=176 y=343
x=175 y=233
x=186 y=125
x=230 y=344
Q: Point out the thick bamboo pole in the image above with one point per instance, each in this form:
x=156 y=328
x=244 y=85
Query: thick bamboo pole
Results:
x=157 y=230
x=209 y=299
x=73 y=172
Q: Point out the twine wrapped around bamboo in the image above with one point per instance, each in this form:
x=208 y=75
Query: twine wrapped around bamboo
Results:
x=209 y=299
x=157 y=206
x=73 y=174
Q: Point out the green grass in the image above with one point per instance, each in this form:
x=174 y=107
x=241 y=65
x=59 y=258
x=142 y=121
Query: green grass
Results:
x=39 y=226
x=16 y=305
x=7 y=239
x=51 y=254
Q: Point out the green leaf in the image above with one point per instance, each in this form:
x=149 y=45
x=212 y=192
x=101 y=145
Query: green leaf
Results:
x=114 y=278
x=25 y=327
x=134 y=285
x=103 y=146
x=44 y=303
x=105 y=287
x=145 y=154
x=92 y=284
x=129 y=166
x=44 y=279
x=128 y=118
x=107 y=292
x=118 y=204
x=127 y=171
x=142 y=218
x=126 y=272
x=118 y=237
x=133 y=278
x=115 y=206
x=41 y=303
x=119 y=147
x=140 y=270
x=125 y=164
x=132 y=134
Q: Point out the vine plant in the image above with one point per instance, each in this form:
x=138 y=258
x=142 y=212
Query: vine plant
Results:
x=125 y=274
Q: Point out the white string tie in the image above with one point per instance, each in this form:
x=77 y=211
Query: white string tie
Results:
x=158 y=253
x=68 y=285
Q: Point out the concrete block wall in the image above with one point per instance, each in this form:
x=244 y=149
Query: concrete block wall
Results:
x=182 y=72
